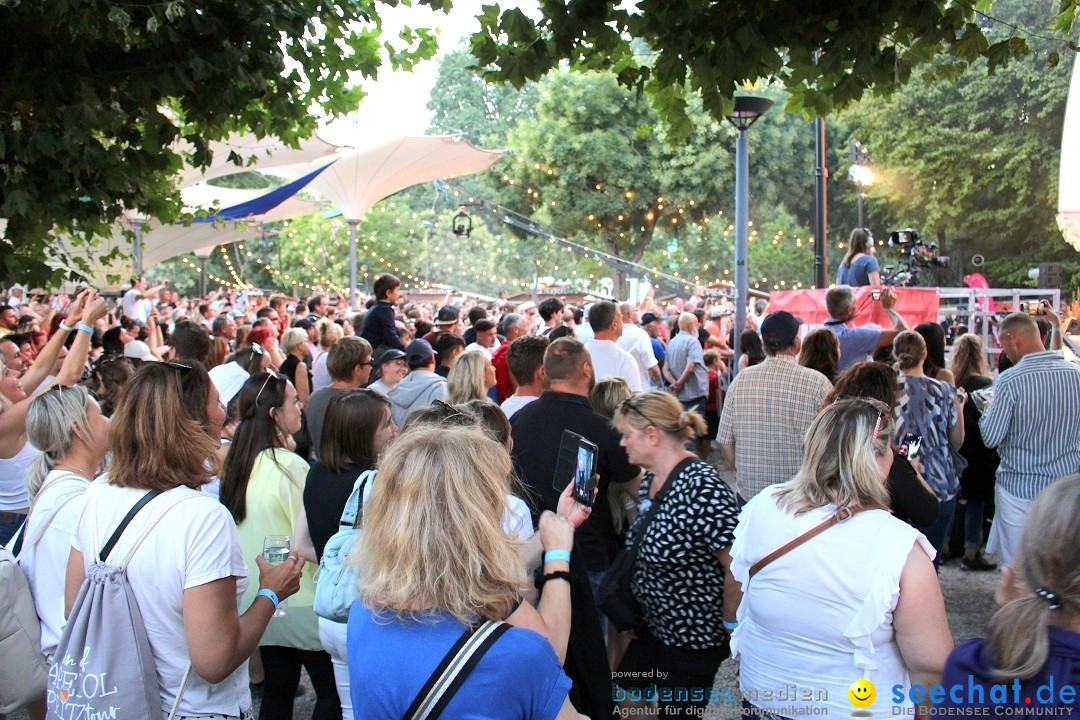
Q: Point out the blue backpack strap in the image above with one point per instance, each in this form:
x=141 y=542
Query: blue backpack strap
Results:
x=351 y=512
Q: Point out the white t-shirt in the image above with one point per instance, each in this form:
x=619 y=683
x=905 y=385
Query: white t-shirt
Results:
x=45 y=564
x=477 y=347
x=517 y=520
x=636 y=341
x=515 y=402
x=133 y=305
x=610 y=360
x=320 y=376
x=193 y=544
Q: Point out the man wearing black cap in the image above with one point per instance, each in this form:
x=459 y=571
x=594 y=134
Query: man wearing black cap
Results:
x=768 y=409
x=447 y=320
x=421 y=387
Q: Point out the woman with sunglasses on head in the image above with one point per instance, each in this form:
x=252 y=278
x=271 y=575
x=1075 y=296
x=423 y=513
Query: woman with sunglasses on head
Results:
x=682 y=553
x=262 y=485
x=189 y=573
x=834 y=588
x=356 y=429
x=912 y=499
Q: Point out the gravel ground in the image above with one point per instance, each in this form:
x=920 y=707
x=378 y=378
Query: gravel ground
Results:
x=969 y=602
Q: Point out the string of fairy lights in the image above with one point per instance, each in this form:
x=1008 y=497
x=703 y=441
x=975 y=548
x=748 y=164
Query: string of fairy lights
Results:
x=436 y=259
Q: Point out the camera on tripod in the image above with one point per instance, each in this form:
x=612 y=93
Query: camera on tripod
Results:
x=915 y=255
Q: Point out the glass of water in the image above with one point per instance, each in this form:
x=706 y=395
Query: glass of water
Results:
x=276 y=549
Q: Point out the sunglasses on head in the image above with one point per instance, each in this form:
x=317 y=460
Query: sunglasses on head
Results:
x=269 y=374
x=181 y=371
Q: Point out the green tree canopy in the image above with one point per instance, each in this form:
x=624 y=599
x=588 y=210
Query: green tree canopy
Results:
x=973 y=163
x=827 y=54
x=98 y=98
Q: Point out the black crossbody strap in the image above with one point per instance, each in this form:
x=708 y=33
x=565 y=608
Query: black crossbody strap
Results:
x=124 y=523
x=453 y=670
x=658 y=499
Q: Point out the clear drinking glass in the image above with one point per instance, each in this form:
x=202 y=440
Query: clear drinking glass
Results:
x=276 y=549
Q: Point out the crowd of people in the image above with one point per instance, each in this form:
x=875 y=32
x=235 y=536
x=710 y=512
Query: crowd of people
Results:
x=263 y=417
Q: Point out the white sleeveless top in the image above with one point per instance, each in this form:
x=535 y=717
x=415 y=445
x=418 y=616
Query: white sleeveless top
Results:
x=13 y=495
x=820 y=617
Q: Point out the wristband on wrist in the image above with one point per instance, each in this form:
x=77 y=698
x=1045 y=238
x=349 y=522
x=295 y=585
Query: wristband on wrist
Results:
x=1055 y=330
x=65 y=327
x=552 y=555
x=85 y=328
x=730 y=625
x=270 y=595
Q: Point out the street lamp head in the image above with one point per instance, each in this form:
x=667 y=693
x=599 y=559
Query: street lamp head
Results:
x=861 y=175
x=748 y=108
x=204 y=253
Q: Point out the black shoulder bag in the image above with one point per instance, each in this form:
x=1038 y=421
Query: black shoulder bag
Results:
x=616 y=595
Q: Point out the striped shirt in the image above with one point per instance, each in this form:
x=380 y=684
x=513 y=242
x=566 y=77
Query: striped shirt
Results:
x=766 y=413
x=1033 y=421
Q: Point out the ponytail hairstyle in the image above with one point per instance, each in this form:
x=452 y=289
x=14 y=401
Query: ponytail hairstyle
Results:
x=54 y=420
x=1048 y=577
x=908 y=348
x=662 y=411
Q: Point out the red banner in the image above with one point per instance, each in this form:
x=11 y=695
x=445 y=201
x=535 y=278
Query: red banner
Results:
x=915 y=305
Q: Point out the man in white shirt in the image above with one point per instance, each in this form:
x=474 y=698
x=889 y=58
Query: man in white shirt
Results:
x=608 y=359
x=525 y=359
x=134 y=301
x=636 y=341
x=487 y=339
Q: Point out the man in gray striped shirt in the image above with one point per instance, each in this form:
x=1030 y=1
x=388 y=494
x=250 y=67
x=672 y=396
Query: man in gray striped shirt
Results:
x=1033 y=421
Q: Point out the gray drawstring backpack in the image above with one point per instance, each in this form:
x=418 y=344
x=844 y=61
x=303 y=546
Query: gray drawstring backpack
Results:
x=103 y=666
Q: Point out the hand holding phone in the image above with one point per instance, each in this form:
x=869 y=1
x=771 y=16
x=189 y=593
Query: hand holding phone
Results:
x=576 y=464
x=910 y=446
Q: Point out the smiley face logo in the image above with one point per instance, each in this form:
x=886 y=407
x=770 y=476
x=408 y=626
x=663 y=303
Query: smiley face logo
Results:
x=862 y=693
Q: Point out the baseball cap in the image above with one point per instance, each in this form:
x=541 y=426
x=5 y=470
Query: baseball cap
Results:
x=716 y=311
x=138 y=350
x=649 y=318
x=390 y=354
x=447 y=315
x=419 y=353
x=780 y=328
